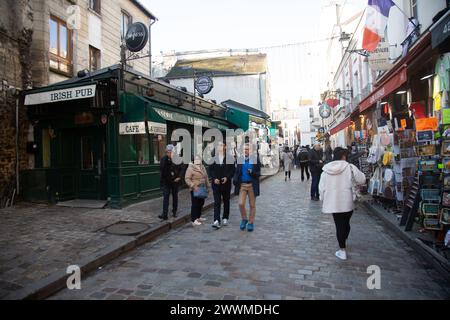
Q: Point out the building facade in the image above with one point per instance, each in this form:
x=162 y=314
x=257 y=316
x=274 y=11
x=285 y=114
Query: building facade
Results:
x=49 y=41
x=356 y=80
x=240 y=77
x=69 y=36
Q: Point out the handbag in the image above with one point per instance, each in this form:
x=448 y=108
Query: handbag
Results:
x=201 y=193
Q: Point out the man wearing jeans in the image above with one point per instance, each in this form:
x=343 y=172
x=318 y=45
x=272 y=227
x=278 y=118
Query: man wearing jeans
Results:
x=246 y=180
x=221 y=173
x=170 y=182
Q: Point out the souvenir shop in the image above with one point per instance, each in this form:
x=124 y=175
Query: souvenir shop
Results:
x=410 y=149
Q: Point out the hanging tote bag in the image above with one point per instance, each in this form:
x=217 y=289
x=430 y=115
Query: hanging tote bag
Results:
x=355 y=188
x=201 y=193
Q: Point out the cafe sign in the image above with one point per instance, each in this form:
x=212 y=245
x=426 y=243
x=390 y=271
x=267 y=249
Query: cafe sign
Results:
x=83 y=92
x=139 y=128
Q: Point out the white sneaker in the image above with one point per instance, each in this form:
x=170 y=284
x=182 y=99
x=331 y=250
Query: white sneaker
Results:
x=201 y=219
x=196 y=223
x=341 y=254
x=216 y=224
x=225 y=222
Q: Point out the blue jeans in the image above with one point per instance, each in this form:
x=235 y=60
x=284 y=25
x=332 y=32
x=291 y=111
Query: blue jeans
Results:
x=167 y=190
x=315 y=184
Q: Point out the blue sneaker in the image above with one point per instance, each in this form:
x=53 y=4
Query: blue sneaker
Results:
x=243 y=224
x=250 y=227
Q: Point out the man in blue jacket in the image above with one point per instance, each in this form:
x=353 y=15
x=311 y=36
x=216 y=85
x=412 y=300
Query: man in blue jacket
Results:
x=221 y=173
x=246 y=180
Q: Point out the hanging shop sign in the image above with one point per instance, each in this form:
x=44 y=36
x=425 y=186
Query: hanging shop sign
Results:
x=379 y=59
x=324 y=110
x=136 y=37
x=139 y=128
x=83 y=92
x=204 y=84
x=332 y=102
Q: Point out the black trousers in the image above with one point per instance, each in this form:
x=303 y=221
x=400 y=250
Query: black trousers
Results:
x=315 y=184
x=222 y=192
x=342 y=222
x=196 y=207
x=287 y=174
x=304 y=168
x=167 y=190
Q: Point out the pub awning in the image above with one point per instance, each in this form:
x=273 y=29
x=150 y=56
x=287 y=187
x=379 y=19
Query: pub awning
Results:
x=341 y=126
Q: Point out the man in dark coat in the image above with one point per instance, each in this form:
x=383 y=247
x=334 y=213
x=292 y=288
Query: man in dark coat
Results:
x=246 y=181
x=221 y=172
x=171 y=174
x=303 y=158
x=315 y=166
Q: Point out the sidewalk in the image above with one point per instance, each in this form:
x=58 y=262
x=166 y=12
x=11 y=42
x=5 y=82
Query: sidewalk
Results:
x=412 y=238
x=38 y=242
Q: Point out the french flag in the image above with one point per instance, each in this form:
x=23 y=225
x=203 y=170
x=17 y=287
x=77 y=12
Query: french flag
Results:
x=377 y=14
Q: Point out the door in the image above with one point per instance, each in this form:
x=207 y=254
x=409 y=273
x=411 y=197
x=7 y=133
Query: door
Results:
x=91 y=177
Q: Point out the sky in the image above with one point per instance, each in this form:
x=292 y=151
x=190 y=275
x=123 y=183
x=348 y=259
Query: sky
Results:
x=209 y=24
x=243 y=24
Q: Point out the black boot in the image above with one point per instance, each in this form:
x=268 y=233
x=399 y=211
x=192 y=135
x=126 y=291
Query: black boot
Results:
x=163 y=217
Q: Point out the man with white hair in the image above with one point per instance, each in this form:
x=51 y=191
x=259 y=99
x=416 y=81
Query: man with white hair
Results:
x=170 y=181
x=315 y=167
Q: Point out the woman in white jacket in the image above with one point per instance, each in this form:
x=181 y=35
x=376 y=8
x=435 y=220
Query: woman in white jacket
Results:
x=336 y=192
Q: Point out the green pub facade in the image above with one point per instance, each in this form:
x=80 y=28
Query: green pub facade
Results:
x=101 y=136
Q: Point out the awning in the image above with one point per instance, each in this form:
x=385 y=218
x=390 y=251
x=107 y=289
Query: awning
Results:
x=389 y=86
x=440 y=31
x=187 y=118
x=344 y=124
x=133 y=117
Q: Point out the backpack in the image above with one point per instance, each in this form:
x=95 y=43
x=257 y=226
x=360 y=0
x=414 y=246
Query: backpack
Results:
x=303 y=155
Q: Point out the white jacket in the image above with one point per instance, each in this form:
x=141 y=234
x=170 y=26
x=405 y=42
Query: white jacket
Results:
x=335 y=186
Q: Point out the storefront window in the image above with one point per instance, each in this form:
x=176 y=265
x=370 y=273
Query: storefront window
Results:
x=87 y=155
x=159 y=142
x=142 y=147
x=46 y=148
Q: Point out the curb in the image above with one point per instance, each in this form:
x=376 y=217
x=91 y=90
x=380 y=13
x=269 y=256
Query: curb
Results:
x=433 y=258
x=56 y=281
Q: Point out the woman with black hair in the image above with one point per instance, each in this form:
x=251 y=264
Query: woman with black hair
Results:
x=336 y=187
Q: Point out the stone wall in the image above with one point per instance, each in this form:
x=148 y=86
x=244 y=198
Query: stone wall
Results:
x=15 y=39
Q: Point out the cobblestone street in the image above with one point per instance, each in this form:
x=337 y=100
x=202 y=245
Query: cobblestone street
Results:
x=290 y=255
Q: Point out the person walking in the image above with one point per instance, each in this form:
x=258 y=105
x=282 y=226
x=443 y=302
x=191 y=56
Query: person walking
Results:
x=288 y=159
x=246 y=181
x=337 y=193
x=315 y=165
x=198 y=182
x=170 y=181
x=303 y=159
x=221 y=173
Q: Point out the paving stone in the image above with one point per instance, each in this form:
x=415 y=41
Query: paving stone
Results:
x=297 y=262
x=98 y=295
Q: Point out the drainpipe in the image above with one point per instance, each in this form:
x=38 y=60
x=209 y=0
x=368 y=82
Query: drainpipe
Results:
x=17 y=144
x=260 y=94
x=152 y=22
